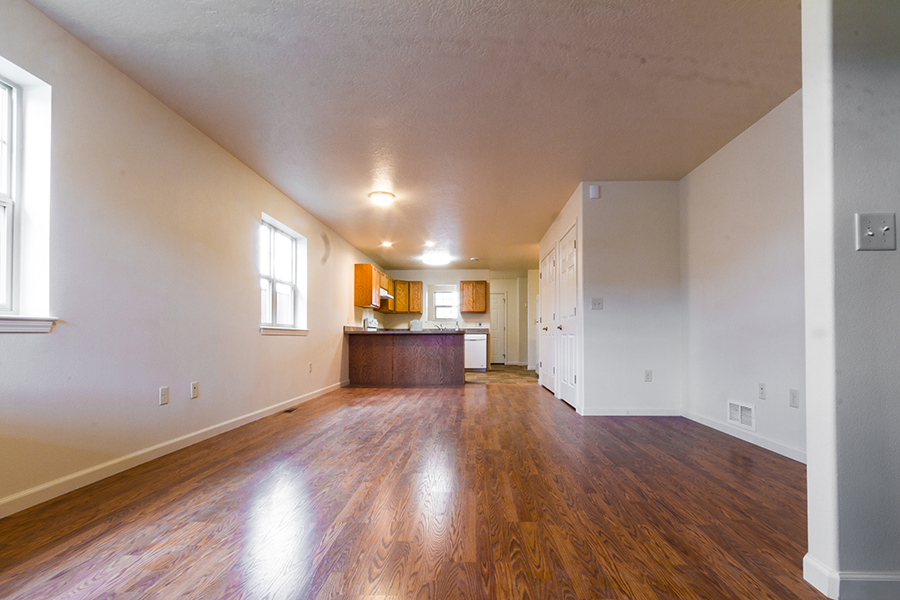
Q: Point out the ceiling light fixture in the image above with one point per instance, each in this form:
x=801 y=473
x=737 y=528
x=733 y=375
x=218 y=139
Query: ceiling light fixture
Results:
x=381 y=198
x=387 y=244
x=436 y=258
x=473 y=258
x=429 y=244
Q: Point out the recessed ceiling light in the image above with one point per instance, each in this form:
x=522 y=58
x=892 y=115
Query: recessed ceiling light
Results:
x=436 y=258
x=381 y=198
x=429 y=244
x=387 y=244
x=473 y=258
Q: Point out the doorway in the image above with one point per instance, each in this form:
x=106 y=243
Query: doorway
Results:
x=498 y=328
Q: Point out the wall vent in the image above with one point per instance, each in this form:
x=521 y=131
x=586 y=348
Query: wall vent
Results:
x=742 y=415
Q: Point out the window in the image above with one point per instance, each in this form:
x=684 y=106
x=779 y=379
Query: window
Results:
x=25 y=134
x=282 y=278
x=8 y=178
x=444 y=302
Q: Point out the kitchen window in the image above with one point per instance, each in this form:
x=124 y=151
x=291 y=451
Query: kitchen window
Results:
x=282 y=279
x=444 y=302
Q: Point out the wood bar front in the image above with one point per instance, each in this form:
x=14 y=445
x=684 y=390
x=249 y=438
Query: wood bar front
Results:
x=407 y=359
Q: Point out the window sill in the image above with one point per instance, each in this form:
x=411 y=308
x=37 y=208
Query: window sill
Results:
x=282 y=331
x=17 y=324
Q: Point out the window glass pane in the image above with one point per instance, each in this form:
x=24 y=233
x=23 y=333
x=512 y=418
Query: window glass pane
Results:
x=445 y=299
x=444 y=312
x=284 y=257
x=5 y=115
x=284 y=304
x=265 y=301
x=265 y=251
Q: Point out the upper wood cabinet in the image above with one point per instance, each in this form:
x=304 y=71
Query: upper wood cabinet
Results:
x=367 y=286
x=473 y=296
x=401 y=296
x=415 y=297
x=368 y=281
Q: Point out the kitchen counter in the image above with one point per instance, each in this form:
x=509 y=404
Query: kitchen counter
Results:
x=360 y=331
x=403 y=358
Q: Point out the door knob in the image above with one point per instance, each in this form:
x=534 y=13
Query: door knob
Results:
x=545 y=329
x=559 y=327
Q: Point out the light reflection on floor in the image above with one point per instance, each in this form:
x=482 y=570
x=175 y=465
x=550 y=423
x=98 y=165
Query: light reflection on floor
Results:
x=276 y=559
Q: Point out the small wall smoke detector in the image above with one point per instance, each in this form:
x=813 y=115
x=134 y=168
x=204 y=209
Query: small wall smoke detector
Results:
x=594 y=192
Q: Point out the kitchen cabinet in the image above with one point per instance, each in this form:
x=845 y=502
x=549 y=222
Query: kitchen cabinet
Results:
x=367 y=286
x=406 y=358
x=401 y=296
x=415 y=297
x=473 y=296
x=368 y=283
x=407 y=296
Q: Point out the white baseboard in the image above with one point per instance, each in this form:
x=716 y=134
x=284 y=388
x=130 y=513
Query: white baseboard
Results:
x=851 y=585
x=797 y=454
x=635 y=412
x=63 y=485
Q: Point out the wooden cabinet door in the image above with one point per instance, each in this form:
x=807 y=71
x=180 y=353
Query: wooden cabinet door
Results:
x=472 y=296
x=415 y=297
x=401 y=296
x=366 y=283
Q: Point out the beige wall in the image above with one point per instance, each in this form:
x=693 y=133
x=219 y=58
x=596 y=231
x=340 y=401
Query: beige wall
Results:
x=153 y=275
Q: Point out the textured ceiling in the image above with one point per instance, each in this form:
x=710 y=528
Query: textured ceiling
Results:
x=481 y=116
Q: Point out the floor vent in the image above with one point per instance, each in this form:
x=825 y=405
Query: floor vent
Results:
x=742 y=415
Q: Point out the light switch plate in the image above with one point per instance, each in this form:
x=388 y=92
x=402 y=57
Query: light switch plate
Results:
x=876 y=231
x=596 y=303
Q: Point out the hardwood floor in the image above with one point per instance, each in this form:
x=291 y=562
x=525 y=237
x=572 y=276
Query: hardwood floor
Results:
x=482 y=491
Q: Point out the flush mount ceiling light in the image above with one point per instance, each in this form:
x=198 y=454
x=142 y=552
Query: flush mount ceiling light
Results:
x=429 y=244
x=381 y=198
x=436 y=258
x=474 y=258
x=387 y=244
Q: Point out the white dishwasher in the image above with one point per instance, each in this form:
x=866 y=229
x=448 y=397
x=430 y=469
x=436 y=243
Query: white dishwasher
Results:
x=476 y=351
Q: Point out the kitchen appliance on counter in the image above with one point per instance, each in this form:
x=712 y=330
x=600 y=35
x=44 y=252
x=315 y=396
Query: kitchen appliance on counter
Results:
x=370 y=324
x=415 y=325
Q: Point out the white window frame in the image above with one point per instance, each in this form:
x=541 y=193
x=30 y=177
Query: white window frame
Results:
x=27 y=244
x=298 y=284
x=432 y=304
x=8 y=197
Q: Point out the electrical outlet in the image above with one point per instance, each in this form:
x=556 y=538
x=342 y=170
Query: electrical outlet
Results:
x=163 y=395
x=310 y=367
x=195 y=389
x=596 y=303
x=762 y=391
x=648 y=376
x=795 y=398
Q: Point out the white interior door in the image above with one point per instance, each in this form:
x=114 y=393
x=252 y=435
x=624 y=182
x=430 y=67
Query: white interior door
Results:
x=547 y=339
x=498 y=328
x=567 y=330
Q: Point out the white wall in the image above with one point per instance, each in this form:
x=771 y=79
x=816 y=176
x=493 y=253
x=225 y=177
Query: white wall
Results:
x=742 y=260
x=851 y=78
x=630 y=259
x=153 y=275
x=436 y=277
